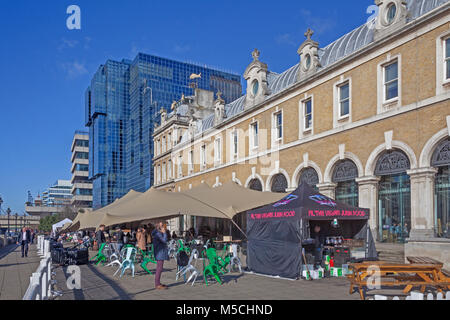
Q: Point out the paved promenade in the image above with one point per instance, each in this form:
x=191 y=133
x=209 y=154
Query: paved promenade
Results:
x=98 y=283
x=15 y=271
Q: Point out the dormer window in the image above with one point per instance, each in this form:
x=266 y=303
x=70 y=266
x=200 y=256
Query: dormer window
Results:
x=392 y=16
x=391 y=13
x=255 y=87
x=309 y=56
x=307 y=61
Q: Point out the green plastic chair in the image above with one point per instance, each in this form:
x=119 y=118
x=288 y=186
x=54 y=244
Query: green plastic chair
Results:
x=100 y=256
x=182 y=247
x=213 y=268
x=225 y=260
x=147 y=257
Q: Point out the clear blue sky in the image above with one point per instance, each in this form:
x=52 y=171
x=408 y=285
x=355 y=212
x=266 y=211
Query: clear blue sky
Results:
x=45 y=68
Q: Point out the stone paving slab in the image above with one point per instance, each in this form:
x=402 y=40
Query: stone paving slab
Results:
x=15 y=271
x=98 y=283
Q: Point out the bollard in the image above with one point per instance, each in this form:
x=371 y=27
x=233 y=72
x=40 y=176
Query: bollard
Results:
x=43 y=279
x=49 y=277
x=34 y=279
x=39 y=245
x=46 y=248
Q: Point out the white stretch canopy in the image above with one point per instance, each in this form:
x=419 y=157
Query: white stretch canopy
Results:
x=60 y=224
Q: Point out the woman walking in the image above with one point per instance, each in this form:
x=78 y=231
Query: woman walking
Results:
x=160 y=239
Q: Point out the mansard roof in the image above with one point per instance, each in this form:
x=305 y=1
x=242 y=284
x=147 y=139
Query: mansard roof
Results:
x=329 y=55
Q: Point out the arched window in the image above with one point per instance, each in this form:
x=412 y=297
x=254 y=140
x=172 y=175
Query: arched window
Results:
x=310 y=176
x=255 y=184
x=279 y=183
x=394 y=196
x=441 y=161
x=344 y=175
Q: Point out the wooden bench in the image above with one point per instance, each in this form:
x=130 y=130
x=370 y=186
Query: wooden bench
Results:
x=399 y=275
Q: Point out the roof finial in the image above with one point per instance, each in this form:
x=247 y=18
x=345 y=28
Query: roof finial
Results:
x=255 y=54
x=309 y=33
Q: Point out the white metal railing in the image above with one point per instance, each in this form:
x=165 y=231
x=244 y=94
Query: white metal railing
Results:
x=417 y=296
x=40 y=281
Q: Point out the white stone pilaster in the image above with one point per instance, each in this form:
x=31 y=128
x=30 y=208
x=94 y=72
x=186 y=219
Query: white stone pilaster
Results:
x=328 y=189
x=368 y=198
x=422 y=202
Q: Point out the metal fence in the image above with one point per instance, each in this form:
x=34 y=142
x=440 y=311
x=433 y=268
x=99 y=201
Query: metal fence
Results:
x=40 y=281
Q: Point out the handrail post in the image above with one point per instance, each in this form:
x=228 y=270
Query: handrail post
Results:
x=43 y=279
x=35 y=282
x=46 y=247
x=49 y=277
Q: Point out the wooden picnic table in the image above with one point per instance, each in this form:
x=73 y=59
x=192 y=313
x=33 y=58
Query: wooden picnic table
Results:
x=400 y=275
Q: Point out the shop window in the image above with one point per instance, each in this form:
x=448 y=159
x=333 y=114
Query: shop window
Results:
x=441 y=160
x=394 y=196
x=344 y=175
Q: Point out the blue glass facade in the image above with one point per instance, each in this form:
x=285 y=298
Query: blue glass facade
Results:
x=122 y=104
x=107 y=101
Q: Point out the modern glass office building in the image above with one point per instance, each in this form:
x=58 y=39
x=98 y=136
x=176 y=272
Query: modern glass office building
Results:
x=107 y=100
x=59 y=194
x=122 y=104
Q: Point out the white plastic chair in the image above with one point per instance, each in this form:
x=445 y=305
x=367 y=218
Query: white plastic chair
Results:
x=115 y=256
x=172 y=246
x=190 y=268
x=128 y=258
x=235 y=261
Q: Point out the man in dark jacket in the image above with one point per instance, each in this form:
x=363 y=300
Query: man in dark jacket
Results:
x=120 y=235
x=100 y=236
x=319 y=240
x=24 y=238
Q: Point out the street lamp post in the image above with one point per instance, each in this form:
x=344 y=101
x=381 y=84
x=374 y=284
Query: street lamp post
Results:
x=16 y=215
x=8 y=212
x=1 y=202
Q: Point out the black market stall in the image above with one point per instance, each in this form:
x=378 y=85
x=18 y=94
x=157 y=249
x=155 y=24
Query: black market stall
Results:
x=278 y=232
